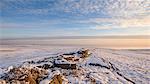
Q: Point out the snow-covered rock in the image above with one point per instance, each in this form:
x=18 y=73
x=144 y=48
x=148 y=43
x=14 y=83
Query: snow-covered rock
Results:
x=106 y=66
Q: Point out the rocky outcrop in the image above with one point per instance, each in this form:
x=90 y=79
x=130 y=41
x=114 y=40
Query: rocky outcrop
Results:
x=57 y=79
x=74 y=68
x=24 y=75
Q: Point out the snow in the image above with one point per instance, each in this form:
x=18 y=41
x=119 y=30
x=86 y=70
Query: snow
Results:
x=46 y=81
x=107 y=65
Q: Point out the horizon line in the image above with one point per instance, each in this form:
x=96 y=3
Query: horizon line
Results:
x=83 y=37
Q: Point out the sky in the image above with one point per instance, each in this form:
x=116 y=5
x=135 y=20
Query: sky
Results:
x=48 y=18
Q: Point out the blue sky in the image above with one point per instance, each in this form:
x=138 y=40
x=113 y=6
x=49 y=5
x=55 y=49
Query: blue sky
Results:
x=39 y=18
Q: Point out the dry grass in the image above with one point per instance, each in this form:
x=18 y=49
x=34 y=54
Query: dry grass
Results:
x=57 y=79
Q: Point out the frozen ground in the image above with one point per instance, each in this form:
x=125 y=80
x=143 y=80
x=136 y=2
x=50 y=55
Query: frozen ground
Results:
x=106 y=66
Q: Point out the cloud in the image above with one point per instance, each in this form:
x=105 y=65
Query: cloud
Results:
x=46 y=24
x=94 y=24
x=84 y=8
x=29 y=25
x=128 y=8
x=97 y=14
x=120 y=23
